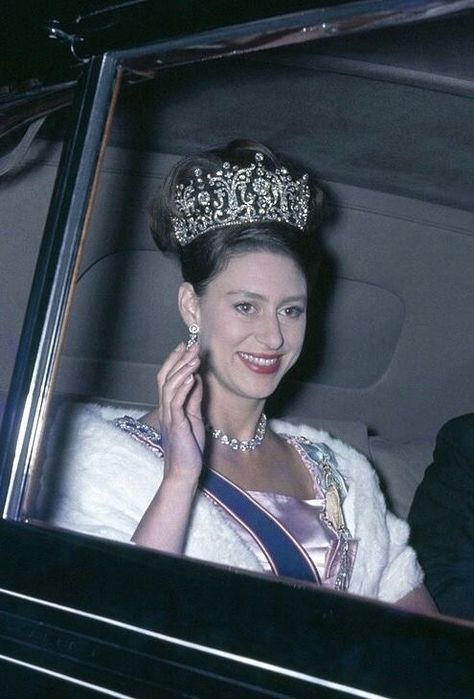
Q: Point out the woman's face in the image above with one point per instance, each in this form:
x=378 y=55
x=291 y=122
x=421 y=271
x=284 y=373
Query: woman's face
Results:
x=252 y=320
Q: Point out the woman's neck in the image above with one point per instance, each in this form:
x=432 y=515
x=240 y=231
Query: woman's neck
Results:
x=237 y=417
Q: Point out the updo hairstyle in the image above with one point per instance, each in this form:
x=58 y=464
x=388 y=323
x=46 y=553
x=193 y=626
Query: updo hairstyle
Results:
x=208 y=254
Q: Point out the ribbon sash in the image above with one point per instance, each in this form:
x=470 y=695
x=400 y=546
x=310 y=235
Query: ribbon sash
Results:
x=283 y=552
x=285 y=555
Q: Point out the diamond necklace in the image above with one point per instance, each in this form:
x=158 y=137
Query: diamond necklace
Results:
x=241 y=444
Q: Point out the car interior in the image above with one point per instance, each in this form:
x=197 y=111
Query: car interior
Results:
x=383 y=119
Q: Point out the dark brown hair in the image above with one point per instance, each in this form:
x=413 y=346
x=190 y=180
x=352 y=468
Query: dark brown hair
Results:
x=208 y=254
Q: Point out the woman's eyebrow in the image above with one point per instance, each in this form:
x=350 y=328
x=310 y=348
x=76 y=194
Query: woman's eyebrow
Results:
x=246 y=292
x=260 y=297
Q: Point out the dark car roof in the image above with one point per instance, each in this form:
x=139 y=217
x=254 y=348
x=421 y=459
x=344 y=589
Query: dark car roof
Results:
x=389 y=109
x=37 y=44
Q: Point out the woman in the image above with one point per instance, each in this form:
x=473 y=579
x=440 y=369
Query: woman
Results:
x=227 y=486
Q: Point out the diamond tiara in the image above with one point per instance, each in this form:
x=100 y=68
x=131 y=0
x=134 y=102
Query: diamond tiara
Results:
x=236 y=195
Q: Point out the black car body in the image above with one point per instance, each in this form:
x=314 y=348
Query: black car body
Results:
x=381 y=108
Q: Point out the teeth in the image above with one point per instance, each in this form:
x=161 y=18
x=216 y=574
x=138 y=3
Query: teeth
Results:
x=260 y=361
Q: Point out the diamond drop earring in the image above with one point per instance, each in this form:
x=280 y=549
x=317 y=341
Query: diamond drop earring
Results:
x=193 y=331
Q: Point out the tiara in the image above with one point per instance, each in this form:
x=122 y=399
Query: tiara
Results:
x=236 y=195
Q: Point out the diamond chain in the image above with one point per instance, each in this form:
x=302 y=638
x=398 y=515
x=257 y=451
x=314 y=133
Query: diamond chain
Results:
x=241 y=444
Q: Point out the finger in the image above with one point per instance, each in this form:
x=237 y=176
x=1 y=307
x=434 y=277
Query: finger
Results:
x=174 y=384
x=169 y=362
x=194 y=401
x=191 y=361
x=176 y=406
x=174 y=380
x=177 y=375
x=178 y=358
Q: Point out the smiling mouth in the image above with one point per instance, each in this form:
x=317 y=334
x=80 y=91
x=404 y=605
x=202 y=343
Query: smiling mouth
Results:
x=261 y=364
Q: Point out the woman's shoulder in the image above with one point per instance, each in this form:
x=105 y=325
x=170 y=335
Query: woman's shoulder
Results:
x=84 y=433
x=95 y=477
x=142 y=432
x=85 y=415
x=321 y=444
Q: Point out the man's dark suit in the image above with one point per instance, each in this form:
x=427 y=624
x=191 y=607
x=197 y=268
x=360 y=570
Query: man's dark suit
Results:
x=442 y=519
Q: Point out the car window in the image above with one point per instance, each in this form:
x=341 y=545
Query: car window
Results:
x=118 y=295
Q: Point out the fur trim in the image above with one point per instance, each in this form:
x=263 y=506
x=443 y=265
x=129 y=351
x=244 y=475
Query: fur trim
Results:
x=107 y=481
x=385 y=566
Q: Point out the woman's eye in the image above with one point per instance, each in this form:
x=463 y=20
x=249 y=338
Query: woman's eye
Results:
x=245 y=308
x=292 y=311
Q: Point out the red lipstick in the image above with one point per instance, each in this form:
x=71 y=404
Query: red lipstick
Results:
x=261 y=363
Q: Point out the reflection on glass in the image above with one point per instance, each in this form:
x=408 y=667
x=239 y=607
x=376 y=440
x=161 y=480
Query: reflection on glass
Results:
x=205 y=473
x=130 y=457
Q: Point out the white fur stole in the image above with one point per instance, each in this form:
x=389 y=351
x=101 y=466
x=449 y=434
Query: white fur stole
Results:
x=100 y=481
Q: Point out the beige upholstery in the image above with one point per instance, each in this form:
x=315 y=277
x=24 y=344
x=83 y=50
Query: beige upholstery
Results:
x=390 y=346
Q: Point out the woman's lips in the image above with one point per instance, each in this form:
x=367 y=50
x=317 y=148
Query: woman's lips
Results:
x=261 y=363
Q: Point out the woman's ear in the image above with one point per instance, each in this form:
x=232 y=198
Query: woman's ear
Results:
x=188 y=304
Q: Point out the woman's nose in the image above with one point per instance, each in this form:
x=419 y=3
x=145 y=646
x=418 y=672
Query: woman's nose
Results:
x=269 y=333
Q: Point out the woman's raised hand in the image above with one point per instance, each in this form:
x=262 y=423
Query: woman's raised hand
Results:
x=165 y=522
x=179 y=413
